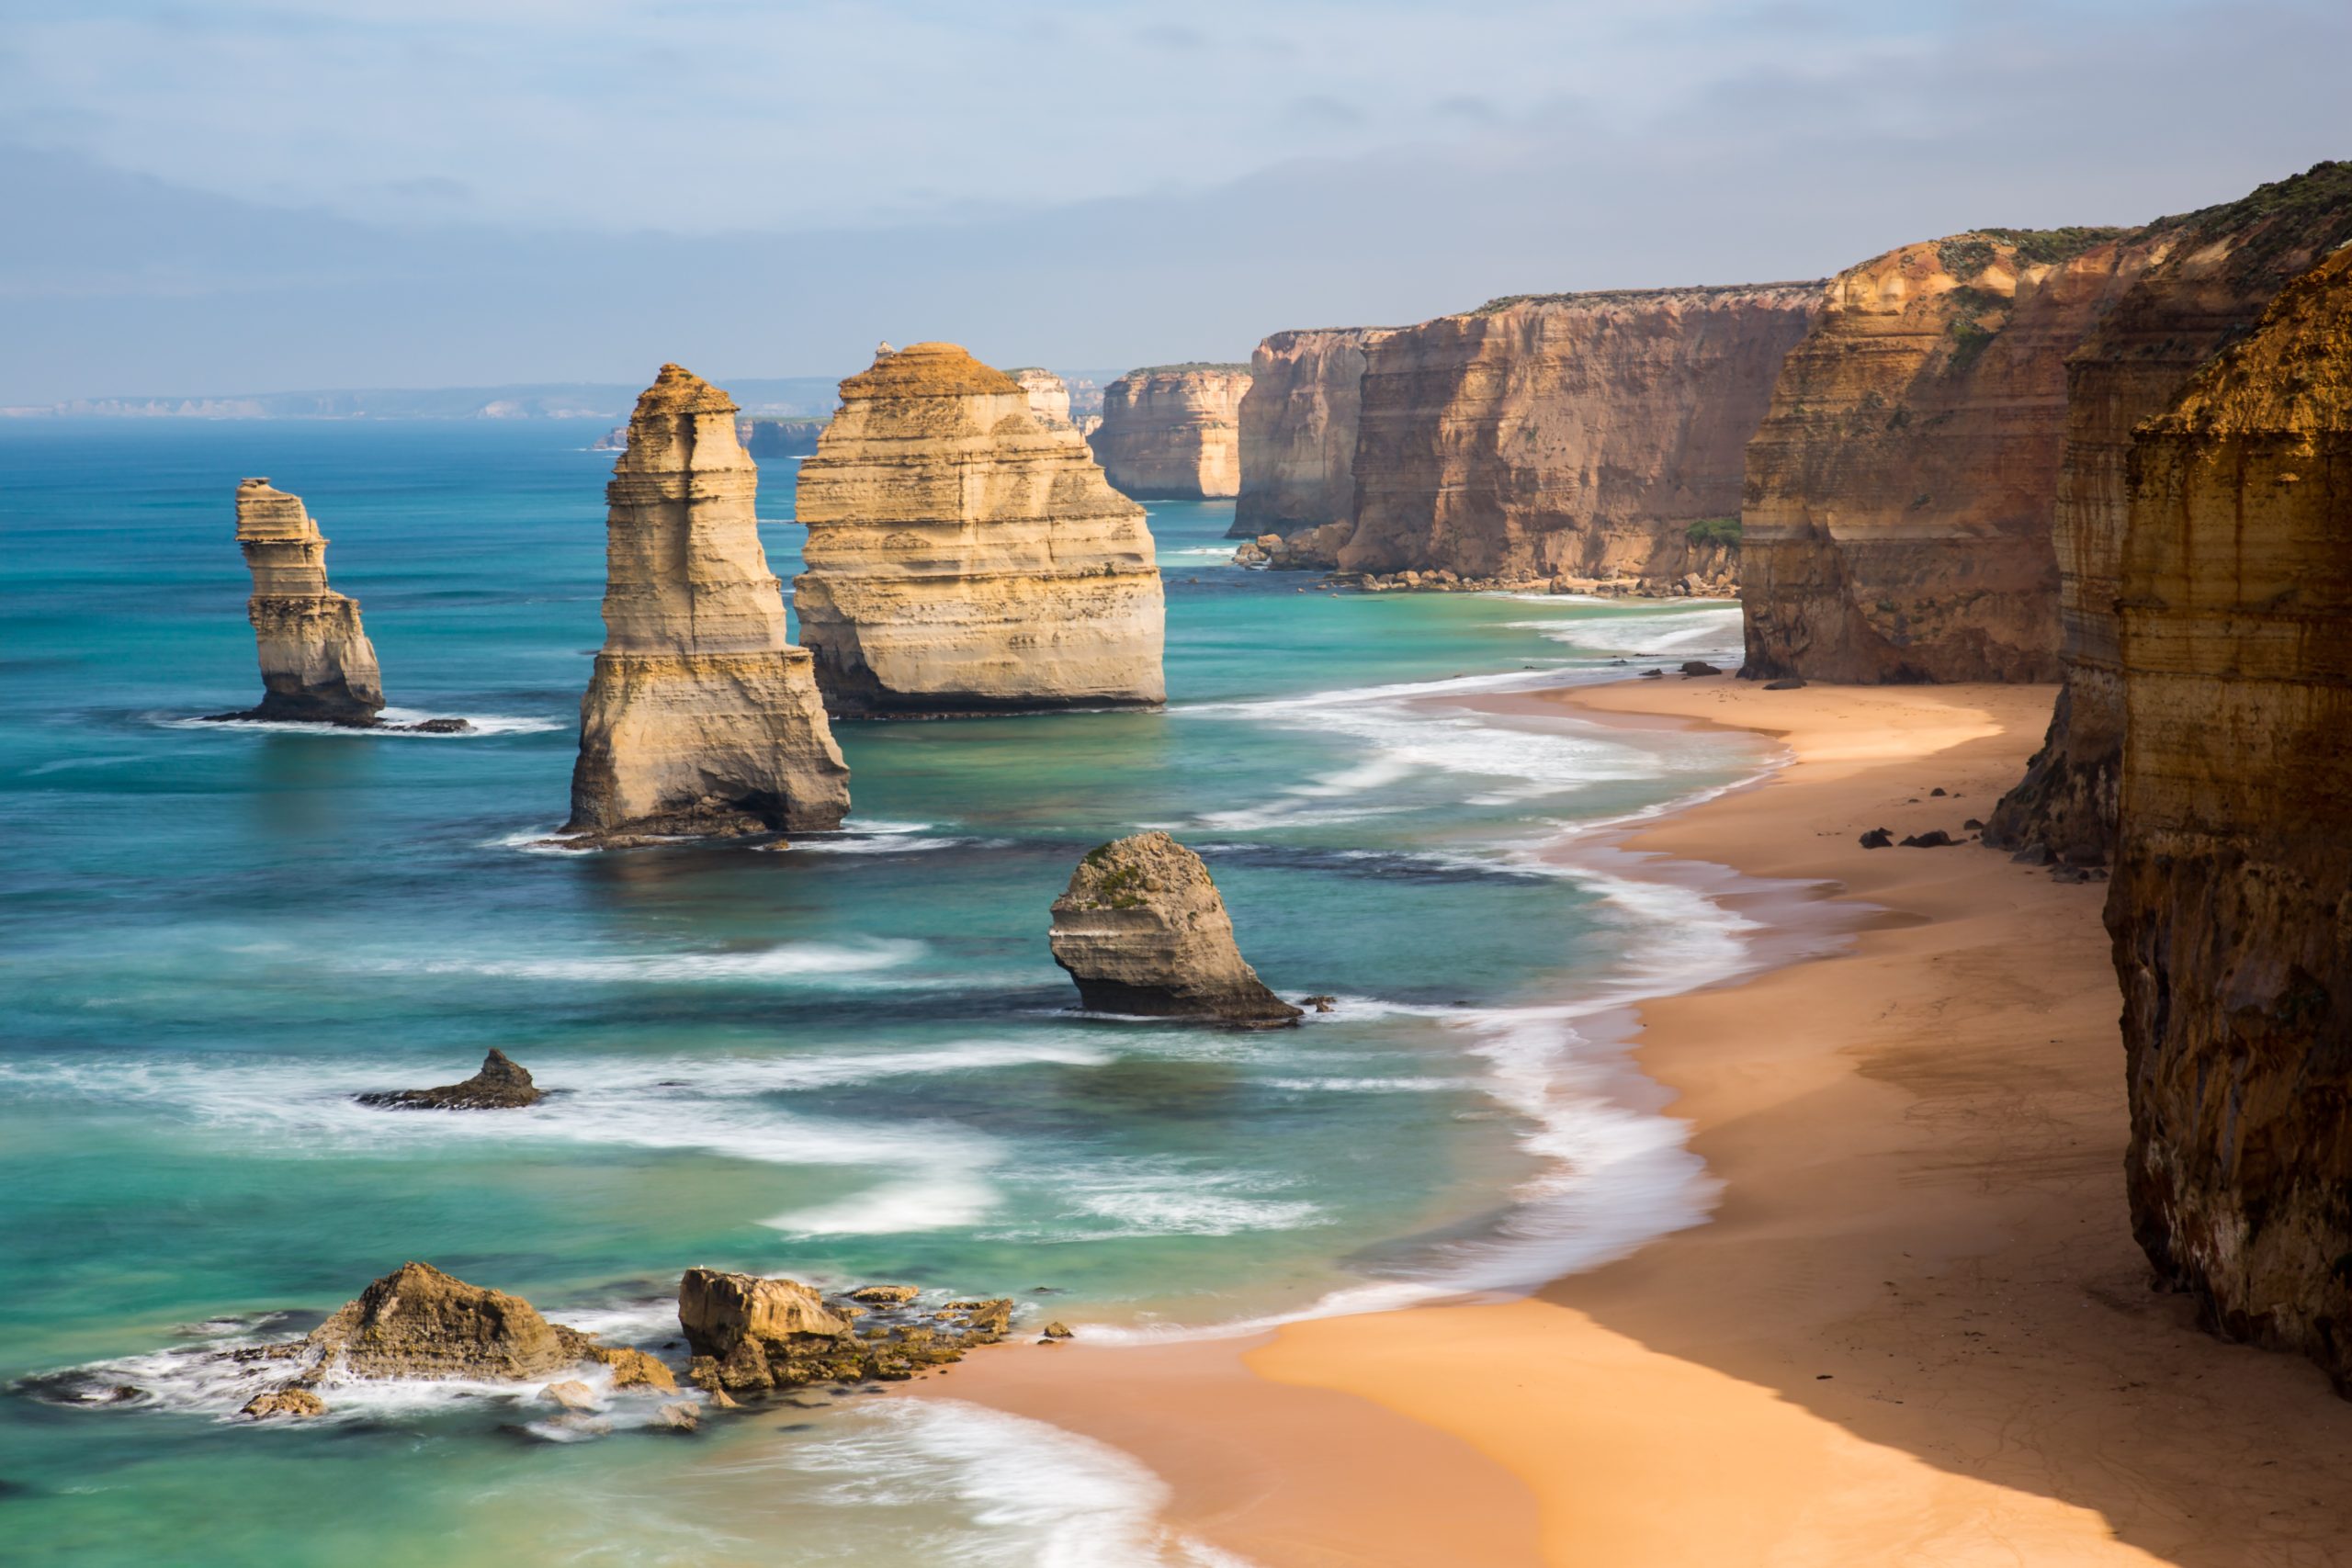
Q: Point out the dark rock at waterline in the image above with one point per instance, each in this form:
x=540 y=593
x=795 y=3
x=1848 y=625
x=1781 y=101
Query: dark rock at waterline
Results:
x=1878 y=838
x=1653 y=674
x=502 y=1085
x=1698 y=667
x=1933 y=839
x=1320 y=1004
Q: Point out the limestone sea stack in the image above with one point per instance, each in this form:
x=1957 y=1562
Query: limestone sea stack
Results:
x=1173 y=432
x=701 y=716
x=1580 y=434
x=965 y=558
x=1299 y=423
x=1896 y=521
x=1143 y=929
x=2212 y=274
x=1048 y=394
x=2232 y=902
x=317 y=665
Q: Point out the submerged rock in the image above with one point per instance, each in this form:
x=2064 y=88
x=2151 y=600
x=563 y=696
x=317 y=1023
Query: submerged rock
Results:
x=317 y=665
x=1143 y=929
x=754 y=1335
x=295 y=1402
x=702 y=716
x=501 y=1085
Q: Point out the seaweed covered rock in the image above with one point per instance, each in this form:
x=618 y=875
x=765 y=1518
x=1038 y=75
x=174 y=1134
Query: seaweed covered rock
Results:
x=754 y=1335
x=502 y=1085
x=1143 y=929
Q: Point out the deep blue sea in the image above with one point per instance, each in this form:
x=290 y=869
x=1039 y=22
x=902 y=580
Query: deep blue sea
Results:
x=849 y=1062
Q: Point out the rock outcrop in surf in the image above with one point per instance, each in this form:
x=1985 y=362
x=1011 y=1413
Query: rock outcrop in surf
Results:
x=754 y=1335
x=502 y=1085
x=1142 y=930
x=965 y=558
x=317 y=665
x=702 y=716
x=2232 y=902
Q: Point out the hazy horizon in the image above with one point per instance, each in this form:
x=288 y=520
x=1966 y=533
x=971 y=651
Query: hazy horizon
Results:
x=271 y=198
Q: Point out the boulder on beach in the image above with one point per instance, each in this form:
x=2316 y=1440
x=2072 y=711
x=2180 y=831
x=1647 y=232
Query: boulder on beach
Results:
x=1142 y=930
x=755 y=1335
x=502 y=1085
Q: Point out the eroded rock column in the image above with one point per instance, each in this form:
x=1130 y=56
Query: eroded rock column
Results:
x=317 y=665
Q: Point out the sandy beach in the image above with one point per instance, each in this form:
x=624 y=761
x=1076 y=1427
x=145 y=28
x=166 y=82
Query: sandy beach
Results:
x=1915 y=1330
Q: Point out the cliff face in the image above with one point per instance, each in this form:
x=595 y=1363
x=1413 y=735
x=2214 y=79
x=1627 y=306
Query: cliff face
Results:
x=1896 y=521
x=1048 y=394
x=316 y=663
x=1298 y=422
x=1576 y=433
x=2210 y=276
x=1174 y=431
x=702 y=716
x=964 y=557
x=2232 y=903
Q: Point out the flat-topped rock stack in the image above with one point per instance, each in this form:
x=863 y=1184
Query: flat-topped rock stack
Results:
x=963 y=557
x=317 y=665
x=702 y=716
x=1048 y=393
x=1173 y=432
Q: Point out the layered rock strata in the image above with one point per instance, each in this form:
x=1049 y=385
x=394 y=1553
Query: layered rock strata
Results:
x=701 y=716
x=752 y=1336
x=1173 y=432
x=1895 y=525
x=964 y=557
x=2232 y=902
x=1298 y=431
x=1142 y=930
x=1575 y=434
x=317 y=665
x=1048 y=394
x=2211 y=275
x=502 y=1085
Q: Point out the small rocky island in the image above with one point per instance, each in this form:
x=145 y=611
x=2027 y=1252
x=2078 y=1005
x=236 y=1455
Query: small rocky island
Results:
x=1143 y=929
x=754 y=1335
x=702 y=716
x=966 y=557
x=502 y=1085
x=317 y=665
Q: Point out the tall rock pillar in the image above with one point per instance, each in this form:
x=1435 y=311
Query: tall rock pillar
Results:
x=316 y=661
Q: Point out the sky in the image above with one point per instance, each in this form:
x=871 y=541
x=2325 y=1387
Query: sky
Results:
x=248 y=196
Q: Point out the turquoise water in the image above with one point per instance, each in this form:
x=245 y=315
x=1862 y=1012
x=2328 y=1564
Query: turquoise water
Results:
x=851 y=1061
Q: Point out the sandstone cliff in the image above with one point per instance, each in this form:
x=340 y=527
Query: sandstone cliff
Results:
x=701 y=716
x=2212 y=274
x=316 y=663
x=1174 y=431
x=1895 y=525
x=964 y=557
x=1142 y=930
x=2232 y=903
x=1574 y=434
x=1048 y=396
x=1297 y=442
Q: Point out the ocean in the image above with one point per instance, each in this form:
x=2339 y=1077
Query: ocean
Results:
x=852 y=1061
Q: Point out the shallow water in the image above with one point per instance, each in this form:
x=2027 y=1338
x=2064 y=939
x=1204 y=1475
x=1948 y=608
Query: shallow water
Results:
x=855 y=1060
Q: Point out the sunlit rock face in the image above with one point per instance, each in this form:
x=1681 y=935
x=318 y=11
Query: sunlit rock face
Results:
x=317 y=665
x=701 y=716
x=1578 y=435
x=2209 y=276
x=1173 y=432
x=1048 y=394
x=963 y=557
x=1299 y=426
x=1896 y=519
x=2231 y=901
